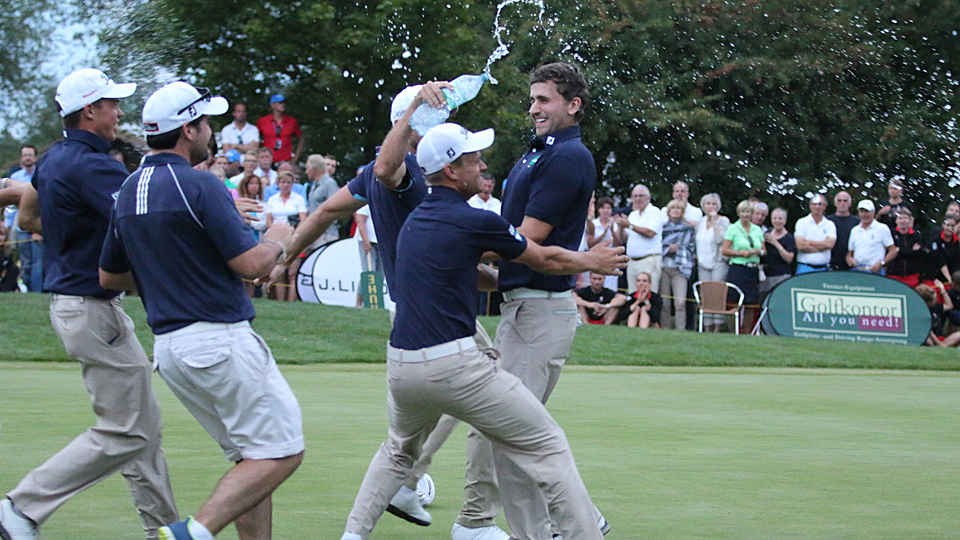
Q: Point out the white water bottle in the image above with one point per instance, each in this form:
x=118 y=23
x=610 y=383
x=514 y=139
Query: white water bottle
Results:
x=465 y=88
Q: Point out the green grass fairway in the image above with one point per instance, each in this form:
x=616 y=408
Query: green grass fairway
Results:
x=667 y=453
x=302 y=333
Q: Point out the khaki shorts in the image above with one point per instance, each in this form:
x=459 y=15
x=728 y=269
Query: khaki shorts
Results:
x=225 y=375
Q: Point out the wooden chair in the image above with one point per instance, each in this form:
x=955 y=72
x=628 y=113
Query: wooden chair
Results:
x=711 y=297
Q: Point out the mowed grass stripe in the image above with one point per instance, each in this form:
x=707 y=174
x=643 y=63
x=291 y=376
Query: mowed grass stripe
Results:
x=302 y=333
x=666 y=453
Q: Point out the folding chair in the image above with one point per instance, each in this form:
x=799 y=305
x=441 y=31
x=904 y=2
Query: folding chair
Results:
x=711 y=297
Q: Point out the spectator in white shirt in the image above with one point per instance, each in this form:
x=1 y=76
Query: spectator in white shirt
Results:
x=366 y=236
x=239 y=135
x=871 y=245
x=485 y=199
x=265 y=165
x=602 y=229
x=292 y=208
x=249 y=167
x=691 y=214
x=710 y=262
x=815 y=236
x=641 y=233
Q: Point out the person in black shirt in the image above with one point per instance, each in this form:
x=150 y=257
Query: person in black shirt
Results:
x=845 y=222
x=887 y=214
x=781 y=250
x=645 y=305
x=9 y=271
x=905 y=267
x=942 y=253
x=598 y=304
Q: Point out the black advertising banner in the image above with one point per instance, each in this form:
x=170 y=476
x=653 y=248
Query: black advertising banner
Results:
x=847 y=306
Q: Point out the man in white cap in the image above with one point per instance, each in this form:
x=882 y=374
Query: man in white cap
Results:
x=176 y=233
x=815 y=235
x=434 y=364
x=74 y=188
x=393 y=185
x=871 y=246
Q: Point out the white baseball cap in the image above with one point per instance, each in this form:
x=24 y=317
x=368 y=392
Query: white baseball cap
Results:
x=179 y=103
x=443 y=144
x=867 y=205
x=87 y=86
x=402 y=101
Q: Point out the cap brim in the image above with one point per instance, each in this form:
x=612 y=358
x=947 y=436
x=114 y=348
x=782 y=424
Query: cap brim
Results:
x=121 y=91
x=216 y=105
x=480 y=140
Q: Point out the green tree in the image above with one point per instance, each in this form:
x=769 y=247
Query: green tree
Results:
x=772 y=99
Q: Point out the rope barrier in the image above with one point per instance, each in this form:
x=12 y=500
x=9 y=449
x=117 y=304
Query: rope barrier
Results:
x=14 y=242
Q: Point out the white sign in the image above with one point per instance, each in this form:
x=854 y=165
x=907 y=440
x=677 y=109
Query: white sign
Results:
x=331 y=275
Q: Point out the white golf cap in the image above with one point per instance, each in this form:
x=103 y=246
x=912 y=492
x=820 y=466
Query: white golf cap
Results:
x=443 y=144
x=866 y=205
x=402 y=101
x=179 y=103
x=87 y=86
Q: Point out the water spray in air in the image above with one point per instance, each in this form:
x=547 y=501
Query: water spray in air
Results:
x=502 y=48
x=466 y=87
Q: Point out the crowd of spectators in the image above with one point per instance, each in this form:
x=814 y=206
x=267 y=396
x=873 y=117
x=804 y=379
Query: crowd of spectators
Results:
x=669 y=248
x=672 y=247
x=266 y=175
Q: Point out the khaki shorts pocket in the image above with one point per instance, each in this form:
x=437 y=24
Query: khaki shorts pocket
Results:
x=202 y=354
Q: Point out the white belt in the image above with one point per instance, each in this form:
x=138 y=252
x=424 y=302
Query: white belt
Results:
x=431 y=353
x=199 y=327
x=523 y=292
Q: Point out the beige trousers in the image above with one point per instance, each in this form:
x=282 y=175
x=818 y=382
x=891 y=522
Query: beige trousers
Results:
x=673 y=284
x=534 y=338
x=651 y=265
x=527 y=442
x=126 y=438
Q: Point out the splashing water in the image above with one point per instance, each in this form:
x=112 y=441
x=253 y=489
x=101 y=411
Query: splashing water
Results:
x=502 y=48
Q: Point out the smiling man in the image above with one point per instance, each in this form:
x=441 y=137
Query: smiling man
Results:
x=75 y=185
x=175 y=233
x=435 y=367
x=546 y=198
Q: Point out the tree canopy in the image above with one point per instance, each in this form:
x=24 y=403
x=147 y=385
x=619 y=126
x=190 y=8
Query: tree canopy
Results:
x=773 y=99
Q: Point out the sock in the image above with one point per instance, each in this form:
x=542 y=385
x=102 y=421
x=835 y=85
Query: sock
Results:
x=350 y=536
x=197 y=530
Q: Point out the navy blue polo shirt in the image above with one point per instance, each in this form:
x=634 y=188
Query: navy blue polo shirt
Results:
x=76 y=183
x=438 y=251
x=175 y=228
x=553 y=182
x=389 y=208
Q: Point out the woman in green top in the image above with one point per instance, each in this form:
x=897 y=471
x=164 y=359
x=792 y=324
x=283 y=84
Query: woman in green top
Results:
x=743 y=243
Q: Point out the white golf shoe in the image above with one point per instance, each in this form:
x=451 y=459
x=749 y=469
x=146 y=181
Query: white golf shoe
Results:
x=13 y=526
x=492 y=532
x=406 y=505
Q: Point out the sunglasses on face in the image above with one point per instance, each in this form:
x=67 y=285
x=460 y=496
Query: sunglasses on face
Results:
x=204 y=96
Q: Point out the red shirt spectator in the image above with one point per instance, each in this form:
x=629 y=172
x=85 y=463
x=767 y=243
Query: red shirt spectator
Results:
x=278 y=130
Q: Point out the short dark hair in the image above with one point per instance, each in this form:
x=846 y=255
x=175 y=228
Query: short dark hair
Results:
x=605 y=200
x=436 y=178
x=168 y=140
x=30 y=146
x=72 y=120
x=570 y=82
